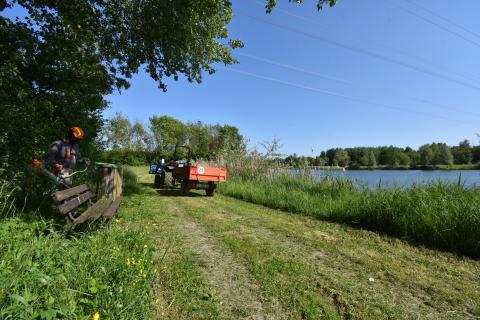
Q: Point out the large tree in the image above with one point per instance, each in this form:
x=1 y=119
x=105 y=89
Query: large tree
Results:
x=168 y=132
x=59 y=60
x=463 y=153
x=118 y=133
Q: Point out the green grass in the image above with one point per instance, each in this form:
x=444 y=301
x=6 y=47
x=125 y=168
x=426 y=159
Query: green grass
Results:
x=320 y=270
x=180 y=292
x=7 y=199
x=293 y=267
x=441 y=215
x=47 y=274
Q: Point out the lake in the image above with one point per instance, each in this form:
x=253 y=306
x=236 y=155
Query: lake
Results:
x=403 y=178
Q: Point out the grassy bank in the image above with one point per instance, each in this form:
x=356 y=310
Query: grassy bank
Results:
x=48 y=273
x=440 y=215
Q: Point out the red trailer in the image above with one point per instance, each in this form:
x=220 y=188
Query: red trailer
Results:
x=200 y=177
x=186 y=175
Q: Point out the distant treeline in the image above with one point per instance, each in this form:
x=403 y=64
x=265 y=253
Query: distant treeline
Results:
x=427 y=155
x=135 y=143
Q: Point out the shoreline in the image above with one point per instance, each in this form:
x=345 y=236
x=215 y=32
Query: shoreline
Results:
x=387 y=168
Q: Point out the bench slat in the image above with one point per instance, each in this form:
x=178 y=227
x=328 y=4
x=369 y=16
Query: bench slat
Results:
x=65 y=194
x=94 y=212
x=112 y=210
x=73 y=203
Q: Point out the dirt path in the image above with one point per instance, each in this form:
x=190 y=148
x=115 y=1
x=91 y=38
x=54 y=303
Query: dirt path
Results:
x=240 y=296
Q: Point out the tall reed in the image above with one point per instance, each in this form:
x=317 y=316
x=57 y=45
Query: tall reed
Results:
x=7 y=198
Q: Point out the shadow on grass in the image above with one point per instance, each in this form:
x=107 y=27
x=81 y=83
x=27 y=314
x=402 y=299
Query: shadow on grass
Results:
x=176 y=193
x=167 y=192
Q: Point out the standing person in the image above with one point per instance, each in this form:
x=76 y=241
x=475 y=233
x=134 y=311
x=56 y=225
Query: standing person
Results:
x=64 y=154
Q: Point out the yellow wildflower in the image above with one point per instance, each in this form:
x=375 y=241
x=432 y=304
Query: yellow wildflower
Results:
x=128 y=261
x=157 y=301
x=156 y=270
x=141 y=271
x=145 y=246
x=96 y=316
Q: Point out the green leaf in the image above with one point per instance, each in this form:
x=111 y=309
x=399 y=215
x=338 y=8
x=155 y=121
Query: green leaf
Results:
x=18 y=298
x=50 y=314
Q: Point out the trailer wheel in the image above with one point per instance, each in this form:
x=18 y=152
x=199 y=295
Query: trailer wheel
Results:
x=184 y=188
x=210 y=191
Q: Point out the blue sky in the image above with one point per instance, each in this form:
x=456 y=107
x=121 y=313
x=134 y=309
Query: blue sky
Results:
x=388 y=53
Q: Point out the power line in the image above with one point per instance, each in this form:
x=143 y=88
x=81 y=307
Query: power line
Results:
x=339 y=95
x=464 y=75
x=365 y=52
x=443 y=18
x=350 y=83
x=429 y=21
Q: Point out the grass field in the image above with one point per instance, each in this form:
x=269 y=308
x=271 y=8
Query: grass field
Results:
x=441 y=215
x=228 y=259
x=222 y=258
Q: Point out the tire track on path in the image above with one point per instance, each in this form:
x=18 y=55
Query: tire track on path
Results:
x=240 y=296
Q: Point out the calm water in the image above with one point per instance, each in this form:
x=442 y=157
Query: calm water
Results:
x=404 y=178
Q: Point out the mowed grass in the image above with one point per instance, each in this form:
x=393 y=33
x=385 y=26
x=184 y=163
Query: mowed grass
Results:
x=322 y=270
x=179 y=290
x=309 y=268
x=445 y=216
x=304 y=267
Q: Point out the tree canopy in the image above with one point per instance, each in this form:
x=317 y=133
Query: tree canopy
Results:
x=206 y=141
x=59 y=61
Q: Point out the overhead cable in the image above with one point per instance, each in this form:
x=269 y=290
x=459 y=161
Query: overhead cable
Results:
x=463 y=74
x=429 y=21
x=365 y=52
x=447 y=20
x=351 y=83
x=340 y=95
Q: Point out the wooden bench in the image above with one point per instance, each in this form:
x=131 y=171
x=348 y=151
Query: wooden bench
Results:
x=71 y=200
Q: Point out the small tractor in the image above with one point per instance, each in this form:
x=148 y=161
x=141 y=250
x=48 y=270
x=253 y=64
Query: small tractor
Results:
x=181 y=173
